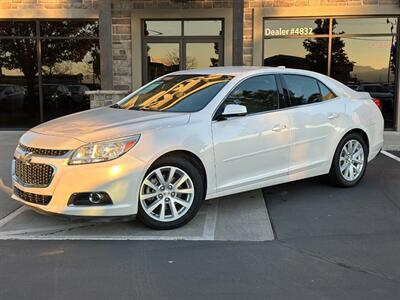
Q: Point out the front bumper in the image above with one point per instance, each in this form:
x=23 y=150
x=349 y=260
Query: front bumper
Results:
x=119 y=178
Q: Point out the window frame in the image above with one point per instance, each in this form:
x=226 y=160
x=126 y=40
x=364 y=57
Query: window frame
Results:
x=286 y=90
x=282 y=103
x=182 y=40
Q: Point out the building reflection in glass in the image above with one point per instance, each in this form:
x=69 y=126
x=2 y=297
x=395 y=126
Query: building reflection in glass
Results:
x=362 y=53
x=70 y=67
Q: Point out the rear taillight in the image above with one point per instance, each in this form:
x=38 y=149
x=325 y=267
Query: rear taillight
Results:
x=378 y=103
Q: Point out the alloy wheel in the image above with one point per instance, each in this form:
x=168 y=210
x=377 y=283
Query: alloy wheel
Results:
x=167 y=194
x=351 y=160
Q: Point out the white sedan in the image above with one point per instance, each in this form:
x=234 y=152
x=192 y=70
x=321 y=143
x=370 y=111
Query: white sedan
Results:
x=195 y=135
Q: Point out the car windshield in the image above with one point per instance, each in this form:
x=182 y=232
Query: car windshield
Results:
x=176 y=93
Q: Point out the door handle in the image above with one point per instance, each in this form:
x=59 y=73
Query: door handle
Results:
x=333 y=116
x=278 y=127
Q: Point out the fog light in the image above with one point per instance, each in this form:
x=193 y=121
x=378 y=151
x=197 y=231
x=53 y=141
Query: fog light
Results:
x=87 y=199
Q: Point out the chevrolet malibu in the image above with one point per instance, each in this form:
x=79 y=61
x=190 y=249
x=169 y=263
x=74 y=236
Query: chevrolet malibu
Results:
x=195 y=135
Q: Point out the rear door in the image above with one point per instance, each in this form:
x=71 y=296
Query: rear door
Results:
x=316 y=114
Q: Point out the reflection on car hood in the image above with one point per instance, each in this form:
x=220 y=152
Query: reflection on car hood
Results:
x=109 y=123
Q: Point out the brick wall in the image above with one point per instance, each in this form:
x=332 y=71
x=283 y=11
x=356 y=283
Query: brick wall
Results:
x=48 y=4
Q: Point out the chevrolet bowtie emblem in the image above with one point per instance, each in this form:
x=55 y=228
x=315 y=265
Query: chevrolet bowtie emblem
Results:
x=26 y=158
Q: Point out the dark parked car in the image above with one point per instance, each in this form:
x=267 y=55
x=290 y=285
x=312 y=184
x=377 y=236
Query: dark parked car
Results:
x=78 y=94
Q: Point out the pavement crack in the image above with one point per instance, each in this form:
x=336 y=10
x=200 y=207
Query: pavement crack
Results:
x=339 y=262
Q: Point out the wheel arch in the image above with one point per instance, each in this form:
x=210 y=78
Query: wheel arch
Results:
x=190 y=156
x=361 y=132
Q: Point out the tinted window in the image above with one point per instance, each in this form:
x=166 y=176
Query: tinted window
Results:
x=176 y=93
x=326 y=93
x=302 y=89
x=258 y=94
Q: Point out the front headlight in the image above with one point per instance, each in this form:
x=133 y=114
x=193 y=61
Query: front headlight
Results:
x=103 y=151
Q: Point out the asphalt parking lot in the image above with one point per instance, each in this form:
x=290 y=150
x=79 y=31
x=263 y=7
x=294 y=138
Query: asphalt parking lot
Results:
x=301 y=240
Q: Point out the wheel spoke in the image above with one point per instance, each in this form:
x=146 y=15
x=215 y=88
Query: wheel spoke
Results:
x=181 y=202
x=160 y=177
x=147 y=196
x=174 y=212
x=149 y=184
x=181 y=180
x=155 y=204
x=185 y=191
x=162 y=211
x=343 y=167
x=171 y=175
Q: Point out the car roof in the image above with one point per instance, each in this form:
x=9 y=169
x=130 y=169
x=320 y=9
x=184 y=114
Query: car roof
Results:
x=244 y=71
x=235 y=70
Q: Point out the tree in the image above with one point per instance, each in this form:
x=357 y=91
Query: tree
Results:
x=317 y=56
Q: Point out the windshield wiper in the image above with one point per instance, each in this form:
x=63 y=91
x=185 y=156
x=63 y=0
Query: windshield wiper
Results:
x=116 y=105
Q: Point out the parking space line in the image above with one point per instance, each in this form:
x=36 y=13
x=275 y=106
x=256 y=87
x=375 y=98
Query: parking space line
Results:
x=12 y=215
x=42 y=230
x=388 y=154
x=211 y=221
x=101 y=238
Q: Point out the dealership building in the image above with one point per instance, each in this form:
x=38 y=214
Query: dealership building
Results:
x=62 y=56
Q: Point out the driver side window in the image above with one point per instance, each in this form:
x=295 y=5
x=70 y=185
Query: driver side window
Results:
x=258 y=94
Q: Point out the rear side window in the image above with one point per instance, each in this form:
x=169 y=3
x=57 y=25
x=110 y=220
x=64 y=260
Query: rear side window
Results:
x=258 y=94
x=326 y=93
x=302 y=89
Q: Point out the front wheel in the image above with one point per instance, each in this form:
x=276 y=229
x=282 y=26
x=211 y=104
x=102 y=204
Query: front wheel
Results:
x=170 y=194
x=350 y=161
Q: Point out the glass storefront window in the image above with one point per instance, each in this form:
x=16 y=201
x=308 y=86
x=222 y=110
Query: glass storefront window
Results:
x=17 y=28
x=70 y=67
x=182 y=44
x=364 y=25
x=162 y=58
x=69 y=28
x=370 y=68
x=296 y=27
x=162 y=28
x=19 y=104
x=362 y=53
x=202 y=27
x=201 y=55
x=309 y=54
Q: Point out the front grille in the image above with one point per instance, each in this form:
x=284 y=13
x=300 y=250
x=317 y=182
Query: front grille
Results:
x=33 y=174
x=32 y=198
x=43 y=152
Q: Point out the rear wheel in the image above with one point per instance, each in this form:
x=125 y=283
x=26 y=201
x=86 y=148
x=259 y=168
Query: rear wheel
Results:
x=170 y=194
x=350 y=161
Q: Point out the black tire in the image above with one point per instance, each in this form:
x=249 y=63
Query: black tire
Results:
x=335 y=176
x=195 y=175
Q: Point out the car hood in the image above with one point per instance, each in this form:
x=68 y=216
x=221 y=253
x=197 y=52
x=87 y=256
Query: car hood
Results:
x=109 y=123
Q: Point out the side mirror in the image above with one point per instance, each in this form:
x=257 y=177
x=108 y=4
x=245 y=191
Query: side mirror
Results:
x=234 y=110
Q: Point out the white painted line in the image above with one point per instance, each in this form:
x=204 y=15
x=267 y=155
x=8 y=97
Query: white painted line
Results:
x=101 y=238
x=42 y=230
x=391 y=155
x=12 y=215
x=4 y=188
x=211 y=221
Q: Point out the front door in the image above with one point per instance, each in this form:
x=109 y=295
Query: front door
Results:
x=254 y=148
